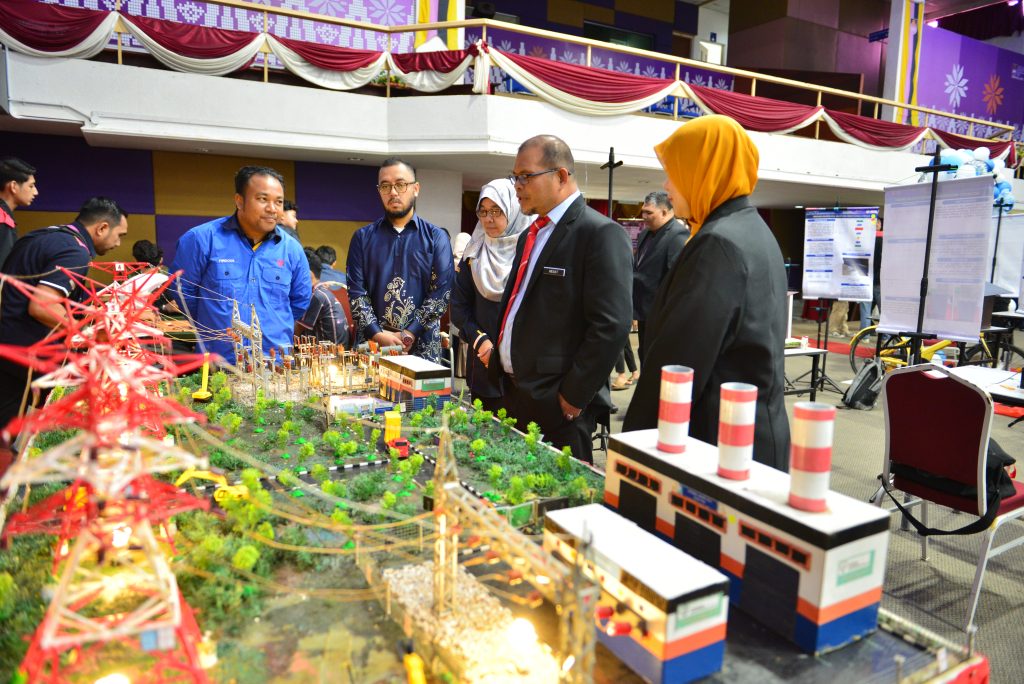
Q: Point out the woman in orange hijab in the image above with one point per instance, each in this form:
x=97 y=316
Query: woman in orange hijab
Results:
x=722 y=308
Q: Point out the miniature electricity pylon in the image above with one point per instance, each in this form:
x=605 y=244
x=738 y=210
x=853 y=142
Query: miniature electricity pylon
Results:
x=446 y=546
x=107 y=515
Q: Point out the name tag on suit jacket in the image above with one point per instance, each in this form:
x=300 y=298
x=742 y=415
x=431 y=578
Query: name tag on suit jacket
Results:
x=554 y=271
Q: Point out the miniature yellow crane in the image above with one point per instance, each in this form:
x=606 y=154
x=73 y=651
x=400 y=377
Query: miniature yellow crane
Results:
x=203 y=393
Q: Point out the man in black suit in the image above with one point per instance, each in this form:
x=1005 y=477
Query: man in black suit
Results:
x=567 y=305
x=656 y=251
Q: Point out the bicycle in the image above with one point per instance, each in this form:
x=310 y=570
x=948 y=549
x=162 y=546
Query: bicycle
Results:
x=894 y=350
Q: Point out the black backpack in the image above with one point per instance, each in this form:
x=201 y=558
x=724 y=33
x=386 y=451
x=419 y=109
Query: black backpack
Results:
x=865 y=387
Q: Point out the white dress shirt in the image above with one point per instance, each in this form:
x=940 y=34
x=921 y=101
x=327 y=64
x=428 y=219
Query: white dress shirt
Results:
x=555 y=215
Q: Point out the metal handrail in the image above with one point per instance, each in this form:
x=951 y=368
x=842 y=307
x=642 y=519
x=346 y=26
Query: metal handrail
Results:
x=484 y=24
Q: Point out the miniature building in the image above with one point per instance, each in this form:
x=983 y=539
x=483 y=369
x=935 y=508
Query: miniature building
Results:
x=815 y=578
x=409 y=380
x=674 y=627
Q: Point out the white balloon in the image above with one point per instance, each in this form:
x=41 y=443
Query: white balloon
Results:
x=982 y=153
x=966 y=171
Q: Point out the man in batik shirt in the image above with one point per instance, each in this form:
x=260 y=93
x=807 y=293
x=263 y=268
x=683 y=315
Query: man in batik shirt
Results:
x=400 y=270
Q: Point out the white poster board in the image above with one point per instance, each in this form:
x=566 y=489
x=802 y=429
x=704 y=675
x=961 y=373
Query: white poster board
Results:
x=958 y=269
x=1011 y=247
x=1020 y=294
x=839 y=253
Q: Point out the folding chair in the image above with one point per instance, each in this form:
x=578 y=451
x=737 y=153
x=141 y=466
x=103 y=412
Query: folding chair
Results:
x=341 y=294
x=939 y=424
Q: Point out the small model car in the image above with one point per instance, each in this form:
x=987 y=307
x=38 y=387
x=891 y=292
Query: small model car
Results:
x=402 y=445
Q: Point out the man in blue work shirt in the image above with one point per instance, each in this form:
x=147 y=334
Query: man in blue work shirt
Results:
x=245 y=258
x=36 y=259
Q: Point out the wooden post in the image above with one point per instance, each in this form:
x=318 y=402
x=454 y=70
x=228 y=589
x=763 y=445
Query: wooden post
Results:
x=675 y=105
x=483 y=33
x=588 y=55
x=266 y=55
x=817 y=124
x=876 y=111
x=753 y=87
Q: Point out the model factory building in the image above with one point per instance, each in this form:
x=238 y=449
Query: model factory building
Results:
x=661 y=612
x=410 y=380
x=816 y=578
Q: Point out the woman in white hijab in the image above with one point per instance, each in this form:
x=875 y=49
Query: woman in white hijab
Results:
x=480 y=281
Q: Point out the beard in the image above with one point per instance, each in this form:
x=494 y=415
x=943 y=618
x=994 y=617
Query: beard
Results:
x=392 y=214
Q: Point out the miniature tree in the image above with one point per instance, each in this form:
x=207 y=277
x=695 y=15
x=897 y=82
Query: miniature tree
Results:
x=289 y=409
x=428 y=488
x=415 y=464
x=564 y=459
x=477 y=447
x=217 y=381
x=494 y=474
x=212 y=409
x=341 y=517
x=265 y=530
x=319 y=472
x=8 y=595
x=394 y=454
x=306 y=450
x=516 y=493
x=332 y=438
x=184 y=396
x=282 y=436
x=374 y=437
x=338 y=488
x=287 y=479
x=223 y=395
x=231 y=422
x=388 y=501
x=245 y=558
x=292 y=426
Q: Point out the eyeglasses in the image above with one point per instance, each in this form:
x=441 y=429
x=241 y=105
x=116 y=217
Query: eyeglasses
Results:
x=400 y=187
x=524 y=178
x=493 y=213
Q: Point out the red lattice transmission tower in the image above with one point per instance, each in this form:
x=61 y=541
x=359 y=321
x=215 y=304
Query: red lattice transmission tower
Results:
x=116 y=586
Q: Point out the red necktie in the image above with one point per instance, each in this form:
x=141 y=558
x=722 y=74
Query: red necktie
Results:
x=531 y=238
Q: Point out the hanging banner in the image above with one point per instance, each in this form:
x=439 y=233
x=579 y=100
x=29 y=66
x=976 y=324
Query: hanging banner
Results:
x=839 y=253
x=958 y=264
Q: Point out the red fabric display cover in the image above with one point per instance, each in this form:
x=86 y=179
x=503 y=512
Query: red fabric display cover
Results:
x=444 y=61
x=754 y=113
x=959 y=142
x=50 y=28
x=188 y=40
x=876 y=132
x=590 y=83
x=330 y=57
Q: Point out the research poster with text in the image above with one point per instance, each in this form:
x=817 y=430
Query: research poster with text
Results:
x=839 y=253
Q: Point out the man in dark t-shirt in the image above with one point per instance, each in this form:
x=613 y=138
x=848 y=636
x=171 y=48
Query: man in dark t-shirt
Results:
x=17 y=189
x=36 y=259
x=324 y=318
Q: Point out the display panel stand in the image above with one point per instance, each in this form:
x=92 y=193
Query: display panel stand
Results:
x=824 y=382
x=935 y=169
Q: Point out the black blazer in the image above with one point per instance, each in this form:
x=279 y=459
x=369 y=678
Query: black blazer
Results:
x=722 y=311
x=575 y=314
x=476 y=317
x=656 y=253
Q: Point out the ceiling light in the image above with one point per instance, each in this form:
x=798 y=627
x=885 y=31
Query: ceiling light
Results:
x=355 y=159
x=1012 y=3
x=798 y=206
x=934 y=23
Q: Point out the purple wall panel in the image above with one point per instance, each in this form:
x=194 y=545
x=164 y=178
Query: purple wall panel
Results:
x=70 y=172
x=336 y=192
x=963 y=75
x=170 y=228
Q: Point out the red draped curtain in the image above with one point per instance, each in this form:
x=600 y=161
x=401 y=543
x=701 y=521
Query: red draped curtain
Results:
x=50 y=28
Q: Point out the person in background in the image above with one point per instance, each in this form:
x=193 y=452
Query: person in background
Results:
x=290 y=219
x=567 y=306
x=146 y=252
x=328 y=257
x=245 y=259
x=459 y=246
x=17 y=189
x=400 y=270
x=480 y=282
x=37 y=259
x=324 y=318
x=658 y=248
x=722 y=308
